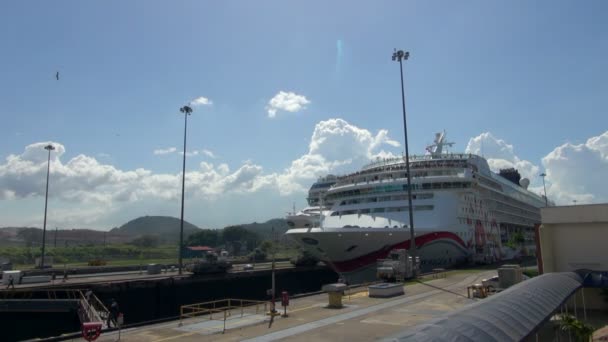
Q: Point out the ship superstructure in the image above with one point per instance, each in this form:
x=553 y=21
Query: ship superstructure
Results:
x=462 y=212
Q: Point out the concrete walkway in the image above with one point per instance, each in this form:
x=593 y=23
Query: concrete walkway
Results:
x=362 y=318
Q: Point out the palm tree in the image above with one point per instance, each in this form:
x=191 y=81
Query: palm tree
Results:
x=569 y=324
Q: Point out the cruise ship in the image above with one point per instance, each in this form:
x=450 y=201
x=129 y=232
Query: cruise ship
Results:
x=462 y=212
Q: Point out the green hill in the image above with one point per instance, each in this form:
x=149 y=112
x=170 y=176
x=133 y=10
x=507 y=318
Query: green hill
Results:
x=165 y=227
x=264 y=230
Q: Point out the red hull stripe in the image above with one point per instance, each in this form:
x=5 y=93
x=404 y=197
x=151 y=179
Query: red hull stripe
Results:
x=364 y=260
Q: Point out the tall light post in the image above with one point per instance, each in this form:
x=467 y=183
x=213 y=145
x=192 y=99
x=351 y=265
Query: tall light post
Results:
x=49 y=148
x=544 y=187
x=187 y=111
x=400 y=56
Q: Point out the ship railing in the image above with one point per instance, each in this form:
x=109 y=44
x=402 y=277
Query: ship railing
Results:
x=223 y=309
x=390 y=161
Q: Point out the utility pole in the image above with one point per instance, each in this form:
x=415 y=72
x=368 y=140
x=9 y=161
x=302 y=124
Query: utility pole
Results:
x=544 y=187
x=399 y=56
x=273 y=268
x=187 y=111
x=49 y=148
x=55 y=240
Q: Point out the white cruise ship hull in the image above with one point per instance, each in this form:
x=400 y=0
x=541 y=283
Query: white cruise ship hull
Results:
x=353 y=252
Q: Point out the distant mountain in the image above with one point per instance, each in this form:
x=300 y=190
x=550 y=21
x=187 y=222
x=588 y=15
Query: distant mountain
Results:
x=165 y=227
x=264 y=230
x=25 y=236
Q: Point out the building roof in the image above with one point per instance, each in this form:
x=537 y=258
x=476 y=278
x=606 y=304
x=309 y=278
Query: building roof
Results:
x=584 y=213
x=511 y=315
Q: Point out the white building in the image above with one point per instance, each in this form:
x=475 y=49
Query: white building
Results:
x=575 y=238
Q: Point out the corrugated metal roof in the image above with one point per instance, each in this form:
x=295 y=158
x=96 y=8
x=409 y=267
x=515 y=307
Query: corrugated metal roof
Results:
x=510 y=315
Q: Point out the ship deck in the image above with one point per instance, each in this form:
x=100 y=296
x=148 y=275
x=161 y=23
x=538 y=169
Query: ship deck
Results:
x=361 y=319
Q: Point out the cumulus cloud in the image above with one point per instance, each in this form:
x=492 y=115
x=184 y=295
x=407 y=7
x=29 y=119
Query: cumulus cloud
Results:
x=84 y=179
x=201 y=101
x=335 y=146
x=577 y=172
x=286 y=101
x=501 y=155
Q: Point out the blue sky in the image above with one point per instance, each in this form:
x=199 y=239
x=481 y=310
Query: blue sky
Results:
x=531 y=74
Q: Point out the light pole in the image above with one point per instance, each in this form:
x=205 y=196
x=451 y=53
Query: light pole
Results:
x=187 y=111
x=544 y=187
x=49 y=148
x=400 y=56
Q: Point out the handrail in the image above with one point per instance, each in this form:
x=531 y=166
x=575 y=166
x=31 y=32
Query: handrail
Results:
x=218 y=306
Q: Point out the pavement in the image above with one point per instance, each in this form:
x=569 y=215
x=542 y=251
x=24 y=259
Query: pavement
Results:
x=361 y=319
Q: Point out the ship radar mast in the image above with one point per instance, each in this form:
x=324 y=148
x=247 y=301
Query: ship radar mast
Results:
x=436 y=149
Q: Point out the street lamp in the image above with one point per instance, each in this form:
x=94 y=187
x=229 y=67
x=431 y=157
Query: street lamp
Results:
x=544 y=187
x=49 y=148
x=400 y=56
x=187 y=111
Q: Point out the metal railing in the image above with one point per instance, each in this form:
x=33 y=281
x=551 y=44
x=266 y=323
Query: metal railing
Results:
x=224 y=308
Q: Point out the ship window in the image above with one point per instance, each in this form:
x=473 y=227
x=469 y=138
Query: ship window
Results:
x=349 y=249
x=378 y=210
x=364 y=211
x=335 y=213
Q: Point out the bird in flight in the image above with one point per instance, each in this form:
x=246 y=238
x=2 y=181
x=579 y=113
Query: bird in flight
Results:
x=57 y=75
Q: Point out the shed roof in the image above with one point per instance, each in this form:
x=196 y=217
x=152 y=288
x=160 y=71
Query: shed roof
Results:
x=510 y=315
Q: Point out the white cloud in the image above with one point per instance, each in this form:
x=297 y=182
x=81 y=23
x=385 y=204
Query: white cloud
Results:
x=192 y=153
x=85 y=180
x=208 y=153
x=189 y=154
x=286 y=101
x=578 y=171
x=335 y=147
x=501 y=155
x=201 y=101
x=165 y=151
x=575 y=172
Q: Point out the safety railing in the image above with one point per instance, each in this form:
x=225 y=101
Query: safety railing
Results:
x=223 y=309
